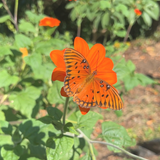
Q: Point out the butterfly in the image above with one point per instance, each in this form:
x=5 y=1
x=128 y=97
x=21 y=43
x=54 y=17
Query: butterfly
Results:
x=86 y=89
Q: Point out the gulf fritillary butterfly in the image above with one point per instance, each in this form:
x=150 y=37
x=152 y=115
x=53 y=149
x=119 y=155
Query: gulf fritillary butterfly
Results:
x=86 y=89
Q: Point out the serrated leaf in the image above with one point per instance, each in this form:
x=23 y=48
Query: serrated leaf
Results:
x=105 y=4
x=58 y=147
x=54 y=93
x=117 y=135
x=33 y=17
x=5 y=127
x=5 y=18
x=144 y=80
x=147 y=19
x=6 y=79
x=2 y=115
x=4 y=50
x=131 y=66
x=152 y=9
x=8 y=154
x=24 y=101
x=70 y=5
x=54 y=112
x=130 y=82
x=105 y=20
x=25 y=26
x=121 y=33
x=22 y=40
x=85 y=121
x=36 y=131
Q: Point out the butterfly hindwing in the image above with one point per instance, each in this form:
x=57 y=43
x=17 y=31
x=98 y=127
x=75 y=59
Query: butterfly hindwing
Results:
x=106 y=96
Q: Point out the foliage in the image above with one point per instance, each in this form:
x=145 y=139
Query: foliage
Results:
x=26 y=87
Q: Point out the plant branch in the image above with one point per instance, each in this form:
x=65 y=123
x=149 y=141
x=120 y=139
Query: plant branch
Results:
x=109 y=144
x=128 y=31
x=14 y=19
x=65 y=110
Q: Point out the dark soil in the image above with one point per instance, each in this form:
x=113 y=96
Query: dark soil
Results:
x=141 y=113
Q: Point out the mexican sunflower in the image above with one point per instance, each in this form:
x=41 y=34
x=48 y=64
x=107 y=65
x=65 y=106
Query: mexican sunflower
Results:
x=49 y=21
x=24 y=52
x=138 y=12
x=97 y=62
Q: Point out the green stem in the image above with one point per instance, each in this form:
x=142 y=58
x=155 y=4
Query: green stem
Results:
x=90 y=145
x=65 y=110
x=109 y=144
x=16 y=13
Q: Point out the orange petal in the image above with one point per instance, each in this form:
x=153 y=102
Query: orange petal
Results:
x=110 y=76
x=63 y=93
x=84 y=110
x=57 y=58
x=58 y=74
x=81 y=46
x=49 y=21
x=96 y=56
x=106 y=64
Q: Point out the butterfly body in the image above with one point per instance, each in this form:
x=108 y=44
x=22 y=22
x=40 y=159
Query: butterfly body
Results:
x=88 y=90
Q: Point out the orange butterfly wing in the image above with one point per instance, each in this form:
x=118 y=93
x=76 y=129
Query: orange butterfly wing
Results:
x=106 y=96
x=95 y=93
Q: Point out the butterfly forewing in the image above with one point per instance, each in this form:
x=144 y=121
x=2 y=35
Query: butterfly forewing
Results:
x=76 y=64
x=106 y=95
x=77 y=69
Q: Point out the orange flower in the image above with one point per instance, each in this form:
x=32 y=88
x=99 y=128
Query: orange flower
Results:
x=49 y=21
x=96 y=59
x=24 y=52
x=138 y=12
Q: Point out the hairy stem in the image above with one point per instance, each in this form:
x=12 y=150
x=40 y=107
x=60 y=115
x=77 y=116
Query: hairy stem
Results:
x=16 y=13
x=109 y=144
x=65 y=110
x=128 y=31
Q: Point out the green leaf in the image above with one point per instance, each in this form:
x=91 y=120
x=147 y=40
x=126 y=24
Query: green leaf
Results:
x=152 y=9
x=105 y=20
x=131 y=66
x=118 y=113
x=97 y=21
x=58 y=147
x=121 y=33
x=4 y=50
x=33 y=17
x=105 y=4
x=131 y=16
x=144 y=80
x=22 y=40
x=70 y=5
x=25 y=26
x=55 y=113
x=1 y=5
x=54 y=93
x=122 y=8
x=130 y=82
x=5 y=128
x=8 y=154
x=5 y=18
x=6 y=79
x=86 y=157
x=117 y=135
x=24 y=101
x=5 y=140
x=2 y=115
x=147 y=19
x=36 y=131
x=85 y=121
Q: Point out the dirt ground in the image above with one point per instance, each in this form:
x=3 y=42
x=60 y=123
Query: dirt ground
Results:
x=141 y=114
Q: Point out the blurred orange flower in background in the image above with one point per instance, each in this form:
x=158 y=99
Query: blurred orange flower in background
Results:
x=49 y=21
x=24 y=52
x=138 y=12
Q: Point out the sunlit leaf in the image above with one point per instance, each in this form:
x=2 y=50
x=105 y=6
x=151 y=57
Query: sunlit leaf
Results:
x=58 y=147
x=117 y=135
x=25 y=101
